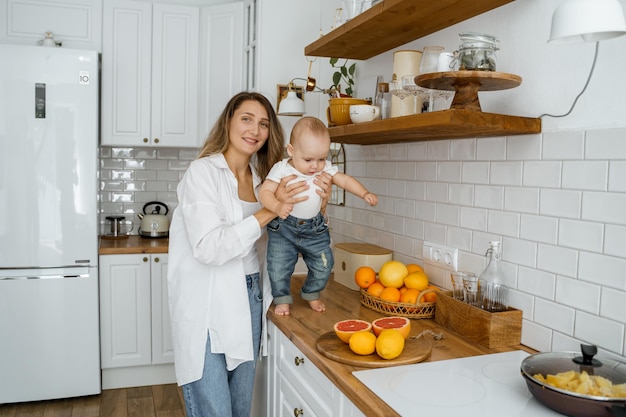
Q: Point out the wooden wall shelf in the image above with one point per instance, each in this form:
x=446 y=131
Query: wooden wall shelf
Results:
x=444 y=124
x=392 y=23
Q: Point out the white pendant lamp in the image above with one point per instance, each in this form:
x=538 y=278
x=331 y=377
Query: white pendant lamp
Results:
x=587 y=21
x=291 y=105
x=577 y=21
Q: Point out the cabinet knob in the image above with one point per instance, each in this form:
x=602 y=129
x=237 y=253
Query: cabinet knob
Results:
x=145 y=259
x=156 y=140
x=145 y=140
x=297 y=360
x=297 y=412
x=156 y=259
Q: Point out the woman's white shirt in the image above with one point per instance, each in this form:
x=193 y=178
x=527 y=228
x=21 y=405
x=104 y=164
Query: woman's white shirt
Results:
x=209 y=238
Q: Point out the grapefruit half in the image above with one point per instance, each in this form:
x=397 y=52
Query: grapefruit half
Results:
x=346 y=328
x=402 y=324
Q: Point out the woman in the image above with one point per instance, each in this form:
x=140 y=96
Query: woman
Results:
x=216 y=258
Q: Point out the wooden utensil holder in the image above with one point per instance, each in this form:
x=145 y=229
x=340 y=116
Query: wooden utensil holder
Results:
x=489 y=329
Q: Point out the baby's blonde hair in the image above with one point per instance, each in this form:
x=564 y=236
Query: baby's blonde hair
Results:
x=307 y=124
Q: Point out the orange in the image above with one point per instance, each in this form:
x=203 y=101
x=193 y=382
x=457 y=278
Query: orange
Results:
x=430 y=297
x=390 y=294
x=417 y=280
x=401 y=324
x=413 y=268
x=363 y=343
x=375 y=289
x=403 y=289
x=410 y=296
x=389 y=344
x=364 y=276
x=392 y=274
x=346 y=328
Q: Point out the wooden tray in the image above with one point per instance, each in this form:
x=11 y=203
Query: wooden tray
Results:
x=329 y=345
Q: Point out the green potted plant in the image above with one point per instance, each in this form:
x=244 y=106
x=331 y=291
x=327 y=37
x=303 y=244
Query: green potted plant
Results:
x=343 y=73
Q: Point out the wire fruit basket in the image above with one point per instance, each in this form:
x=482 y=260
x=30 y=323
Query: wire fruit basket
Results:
x=419 y=310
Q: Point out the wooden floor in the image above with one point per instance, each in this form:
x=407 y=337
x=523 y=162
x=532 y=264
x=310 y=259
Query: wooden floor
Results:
x=154 y=401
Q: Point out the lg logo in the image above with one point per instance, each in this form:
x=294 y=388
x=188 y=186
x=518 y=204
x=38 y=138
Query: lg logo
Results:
x=83 y=77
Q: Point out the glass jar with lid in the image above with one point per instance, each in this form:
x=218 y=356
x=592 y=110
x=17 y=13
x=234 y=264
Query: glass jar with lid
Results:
x=477 y=52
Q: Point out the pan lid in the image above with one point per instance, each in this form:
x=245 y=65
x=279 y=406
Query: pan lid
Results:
x=553 y=363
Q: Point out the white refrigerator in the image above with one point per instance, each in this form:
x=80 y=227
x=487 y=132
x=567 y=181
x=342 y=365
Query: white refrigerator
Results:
x=49 y=326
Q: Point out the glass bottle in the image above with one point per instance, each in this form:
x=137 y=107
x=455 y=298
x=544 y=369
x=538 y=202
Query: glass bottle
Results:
x=383 y=100
x=493 y=293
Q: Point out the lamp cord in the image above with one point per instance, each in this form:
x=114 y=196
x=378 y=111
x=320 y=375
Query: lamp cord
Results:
x=595 y=57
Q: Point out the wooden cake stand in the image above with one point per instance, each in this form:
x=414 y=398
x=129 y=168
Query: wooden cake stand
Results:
x=467 y=84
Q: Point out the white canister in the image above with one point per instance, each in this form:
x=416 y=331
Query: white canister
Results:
x=405 y=62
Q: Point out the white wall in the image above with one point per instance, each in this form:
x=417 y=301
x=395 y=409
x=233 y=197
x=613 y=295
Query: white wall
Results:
x=557 y=200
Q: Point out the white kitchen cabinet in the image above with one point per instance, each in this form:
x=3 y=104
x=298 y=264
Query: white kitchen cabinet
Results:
x=150 y=74
x=135 y=335
x=297 y=387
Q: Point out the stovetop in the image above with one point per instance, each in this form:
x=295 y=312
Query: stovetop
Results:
x=478 y=386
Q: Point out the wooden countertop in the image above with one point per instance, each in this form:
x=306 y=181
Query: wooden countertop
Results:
x=304 y=326
x=132 y=245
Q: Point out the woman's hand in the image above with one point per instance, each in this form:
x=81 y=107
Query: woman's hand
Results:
x=285 y=193
x=324 y=181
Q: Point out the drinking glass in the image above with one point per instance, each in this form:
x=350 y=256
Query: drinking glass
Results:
x=457 y=278
x=471 y=295
x=428 y=64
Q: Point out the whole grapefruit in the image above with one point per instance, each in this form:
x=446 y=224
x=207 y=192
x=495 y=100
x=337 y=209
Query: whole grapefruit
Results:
x=392 y=274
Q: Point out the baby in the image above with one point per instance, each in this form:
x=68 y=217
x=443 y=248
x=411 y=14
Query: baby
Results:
x=301 y=228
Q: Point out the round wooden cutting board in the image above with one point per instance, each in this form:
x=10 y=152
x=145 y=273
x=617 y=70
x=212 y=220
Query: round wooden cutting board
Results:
x=329 y=345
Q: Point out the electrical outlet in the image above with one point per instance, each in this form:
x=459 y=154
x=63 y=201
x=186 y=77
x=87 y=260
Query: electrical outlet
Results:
x=441 y=256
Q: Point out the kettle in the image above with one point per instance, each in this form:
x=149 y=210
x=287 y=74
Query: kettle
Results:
x=155 y=223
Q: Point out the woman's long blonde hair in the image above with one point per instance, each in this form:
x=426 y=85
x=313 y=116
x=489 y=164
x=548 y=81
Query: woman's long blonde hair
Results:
x=272 y=150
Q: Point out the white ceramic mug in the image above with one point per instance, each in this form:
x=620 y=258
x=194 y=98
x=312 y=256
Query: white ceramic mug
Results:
x=360 y=113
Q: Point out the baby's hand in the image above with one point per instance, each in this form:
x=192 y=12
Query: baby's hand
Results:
x=284 y=210
x=370 y=199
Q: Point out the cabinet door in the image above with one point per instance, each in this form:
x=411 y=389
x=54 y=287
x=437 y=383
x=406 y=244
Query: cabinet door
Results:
x=126 y=73
x=291 y=403
x=221 y=60
x=175 y=38
x=125 y=310
x=162 y=349
x=150 y=74
x=311 y=384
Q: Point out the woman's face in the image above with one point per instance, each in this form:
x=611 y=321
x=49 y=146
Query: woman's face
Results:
x=249 y=128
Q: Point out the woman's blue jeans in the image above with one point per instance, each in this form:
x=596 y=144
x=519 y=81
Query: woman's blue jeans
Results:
x=288 y=237
x=223 y=393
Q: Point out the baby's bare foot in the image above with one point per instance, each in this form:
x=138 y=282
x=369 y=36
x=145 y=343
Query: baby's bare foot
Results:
x=317 y=305
x=281 y=310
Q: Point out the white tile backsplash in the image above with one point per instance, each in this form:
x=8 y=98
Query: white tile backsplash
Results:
x=506 y=173
x=581 y=235
x=603 y=332
x=585 y=175
x=557 y=201
x=555 y=316
x=491 y=149
x=545 y=174
x=525 y=200
x=615 y=240
x=578 y=294
x=617 y=176
x=604 y=207
x=131 y=177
